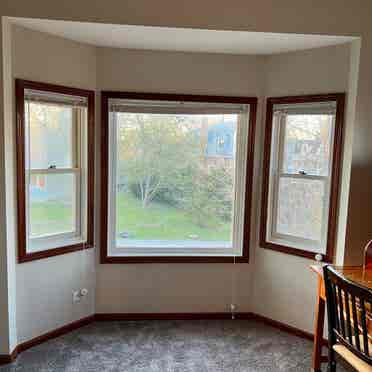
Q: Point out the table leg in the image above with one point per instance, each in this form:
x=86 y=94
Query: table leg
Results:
x=318 y=331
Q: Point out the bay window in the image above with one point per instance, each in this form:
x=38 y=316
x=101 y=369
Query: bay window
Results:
x=177 y=177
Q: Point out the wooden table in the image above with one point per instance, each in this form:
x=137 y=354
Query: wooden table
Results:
x=357 y=274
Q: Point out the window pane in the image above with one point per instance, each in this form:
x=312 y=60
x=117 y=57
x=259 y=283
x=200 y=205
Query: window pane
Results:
x=50 y=135
x=300 y=208
x=175 y=180
x=307 y=144
x=52 y=204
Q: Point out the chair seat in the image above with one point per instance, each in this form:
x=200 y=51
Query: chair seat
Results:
x=359 y=364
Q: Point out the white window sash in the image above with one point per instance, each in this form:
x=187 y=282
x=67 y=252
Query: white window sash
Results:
x=53 y=170
x=274 y=232
x=169 y=248
x=303 y=176
x=276 y=173
x=79 y=161
x=313 y=108
x=174 y=107
x=50 y=98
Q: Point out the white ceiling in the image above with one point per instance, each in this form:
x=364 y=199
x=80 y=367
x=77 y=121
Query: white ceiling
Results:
x=179 y=39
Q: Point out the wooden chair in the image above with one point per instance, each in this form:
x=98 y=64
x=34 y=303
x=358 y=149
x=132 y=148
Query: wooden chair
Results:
x=347 y=307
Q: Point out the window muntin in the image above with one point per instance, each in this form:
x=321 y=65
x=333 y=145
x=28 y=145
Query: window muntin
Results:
x=55 y=160
x=185 y=134
x=301 y=163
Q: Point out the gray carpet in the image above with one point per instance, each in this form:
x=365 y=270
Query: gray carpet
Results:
x=170 y=346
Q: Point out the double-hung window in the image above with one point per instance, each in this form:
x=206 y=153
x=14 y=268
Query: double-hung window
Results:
x=178 y=177
x=55 y=168
x=301 y=174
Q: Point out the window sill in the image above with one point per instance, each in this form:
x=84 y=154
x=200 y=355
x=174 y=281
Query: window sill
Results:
x=33 y=256
x=293 y=251
x=172 y=259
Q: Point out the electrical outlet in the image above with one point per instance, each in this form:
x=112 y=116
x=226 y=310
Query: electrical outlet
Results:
x=76 y=296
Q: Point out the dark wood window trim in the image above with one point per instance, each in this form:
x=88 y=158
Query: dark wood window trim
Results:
x=105 y=96
x=20 y=86
x=339 y=98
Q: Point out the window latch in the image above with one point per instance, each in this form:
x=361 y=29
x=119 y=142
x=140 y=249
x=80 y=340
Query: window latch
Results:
x=302 y=172
x=52 y=166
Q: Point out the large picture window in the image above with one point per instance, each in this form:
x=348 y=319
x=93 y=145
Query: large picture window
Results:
x=55 y=169
x=301 y=174
x=178 y=171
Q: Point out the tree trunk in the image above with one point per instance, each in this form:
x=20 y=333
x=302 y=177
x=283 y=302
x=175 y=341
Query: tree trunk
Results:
x=146 y=196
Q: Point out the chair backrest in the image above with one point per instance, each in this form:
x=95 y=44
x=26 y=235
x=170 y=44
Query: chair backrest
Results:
x=349 y=309
x=368 y=255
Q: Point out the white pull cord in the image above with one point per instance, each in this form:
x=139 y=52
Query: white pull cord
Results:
x=233 y=290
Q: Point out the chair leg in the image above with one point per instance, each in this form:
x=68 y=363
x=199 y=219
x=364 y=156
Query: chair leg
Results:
x=331 y=367
x=331 y=361
x=318 y=331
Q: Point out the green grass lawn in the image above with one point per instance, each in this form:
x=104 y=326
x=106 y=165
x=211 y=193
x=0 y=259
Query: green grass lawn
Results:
x=161 y=221
x=157 y=221
x=50 y=218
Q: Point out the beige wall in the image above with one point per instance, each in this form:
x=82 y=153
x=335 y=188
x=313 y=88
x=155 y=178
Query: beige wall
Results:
x=44 y=287
x=321 y=70
x=177 y=72
x=359 y=226
x=42 y=57
x=284 y=287
x=175 y=287
x=8 y=327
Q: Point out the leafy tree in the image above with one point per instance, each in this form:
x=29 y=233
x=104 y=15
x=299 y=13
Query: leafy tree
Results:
x=155 y=152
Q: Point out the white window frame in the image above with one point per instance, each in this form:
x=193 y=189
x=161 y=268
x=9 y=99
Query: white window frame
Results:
x=79 y=171
x=236 y=248
x=280 y=112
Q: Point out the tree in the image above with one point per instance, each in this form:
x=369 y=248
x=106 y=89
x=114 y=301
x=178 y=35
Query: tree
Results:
x=210 y=196
x=155 y=152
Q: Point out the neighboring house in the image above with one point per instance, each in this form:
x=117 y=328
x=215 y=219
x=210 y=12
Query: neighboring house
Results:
x=221 y=140
x=220 y=144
